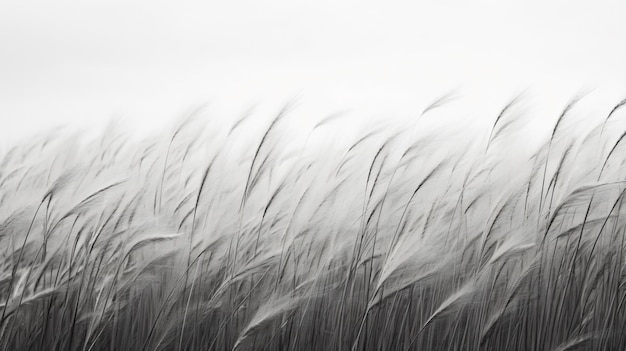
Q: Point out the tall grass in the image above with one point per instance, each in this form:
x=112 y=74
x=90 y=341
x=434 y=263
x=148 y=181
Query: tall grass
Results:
x=237 y=237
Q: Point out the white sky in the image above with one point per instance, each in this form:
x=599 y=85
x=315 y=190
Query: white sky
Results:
x=82 y=62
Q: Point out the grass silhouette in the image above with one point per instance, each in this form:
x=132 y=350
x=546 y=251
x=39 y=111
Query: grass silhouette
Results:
x=231 y=238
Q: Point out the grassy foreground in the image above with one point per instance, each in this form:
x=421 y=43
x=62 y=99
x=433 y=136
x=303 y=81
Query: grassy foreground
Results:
x=230 y=239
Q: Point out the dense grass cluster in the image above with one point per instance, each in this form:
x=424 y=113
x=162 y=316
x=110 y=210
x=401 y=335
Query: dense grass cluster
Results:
x=232 y=238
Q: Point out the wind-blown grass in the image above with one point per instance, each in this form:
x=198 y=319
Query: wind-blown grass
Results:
x=239 y=238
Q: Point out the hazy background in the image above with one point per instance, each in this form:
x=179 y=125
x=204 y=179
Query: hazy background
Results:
x=80 y=62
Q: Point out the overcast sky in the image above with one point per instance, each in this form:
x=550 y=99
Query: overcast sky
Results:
x=82 y=62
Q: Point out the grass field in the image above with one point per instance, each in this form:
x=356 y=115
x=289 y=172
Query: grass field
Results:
x=230 y=238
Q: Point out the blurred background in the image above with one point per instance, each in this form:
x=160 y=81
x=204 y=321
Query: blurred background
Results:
x=79 y=63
